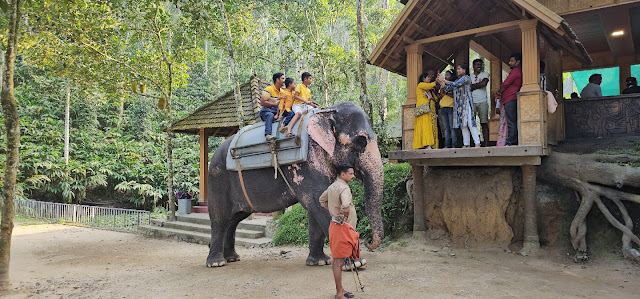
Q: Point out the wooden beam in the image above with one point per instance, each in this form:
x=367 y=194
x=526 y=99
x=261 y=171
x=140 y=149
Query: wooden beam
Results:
x=455 y=153
x=204 y=164
x=475 y=31
x=540 y=12
x=558 y=42
x=615 y=19
x=419 y=224
x=484 y=161
x=565 y=7
x=397 y=43
x=438 y=58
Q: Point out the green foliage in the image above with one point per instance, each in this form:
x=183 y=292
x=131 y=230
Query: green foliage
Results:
x=293 y=227
x=385 y=142
x=397 y=213
x=100 y=48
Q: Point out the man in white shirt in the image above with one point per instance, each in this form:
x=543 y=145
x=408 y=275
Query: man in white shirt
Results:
x=592 y=90
x=479 y=81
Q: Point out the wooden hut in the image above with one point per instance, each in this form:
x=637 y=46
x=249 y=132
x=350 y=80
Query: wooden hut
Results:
x=219 y=118
x=431 y=34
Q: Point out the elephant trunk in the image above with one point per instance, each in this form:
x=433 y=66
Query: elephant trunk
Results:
x=370 y=164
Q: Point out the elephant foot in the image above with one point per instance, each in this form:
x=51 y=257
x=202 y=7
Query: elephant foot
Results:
x=232 y=258
x=213 y=262
x=318 y=261
x=358 y=263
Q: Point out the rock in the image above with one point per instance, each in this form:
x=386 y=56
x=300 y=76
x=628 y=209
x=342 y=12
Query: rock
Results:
x=472 y=205
x=271 y=228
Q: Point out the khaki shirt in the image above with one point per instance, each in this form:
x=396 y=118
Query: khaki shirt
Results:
x=337 y=198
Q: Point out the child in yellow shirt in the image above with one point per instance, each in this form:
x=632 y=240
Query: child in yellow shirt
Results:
x=284 y=109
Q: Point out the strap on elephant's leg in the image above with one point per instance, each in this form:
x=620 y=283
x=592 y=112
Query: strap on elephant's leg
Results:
x=244 y=190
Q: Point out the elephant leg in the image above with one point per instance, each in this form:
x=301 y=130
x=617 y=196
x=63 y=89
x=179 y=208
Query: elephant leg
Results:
x=317 y=235
x=230 y=238
x=219 y=228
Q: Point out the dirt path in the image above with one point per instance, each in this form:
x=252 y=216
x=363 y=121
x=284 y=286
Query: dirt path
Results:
x=57 y=261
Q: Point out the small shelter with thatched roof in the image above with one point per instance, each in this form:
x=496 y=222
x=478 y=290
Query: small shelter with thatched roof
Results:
x=219 y=118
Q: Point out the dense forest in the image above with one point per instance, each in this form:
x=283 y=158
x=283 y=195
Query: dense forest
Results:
x=109 y=76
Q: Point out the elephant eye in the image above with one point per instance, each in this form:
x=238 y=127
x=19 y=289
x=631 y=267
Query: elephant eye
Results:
x=360 y=143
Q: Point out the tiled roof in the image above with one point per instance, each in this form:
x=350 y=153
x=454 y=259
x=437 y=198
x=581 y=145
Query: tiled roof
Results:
x=219 y=117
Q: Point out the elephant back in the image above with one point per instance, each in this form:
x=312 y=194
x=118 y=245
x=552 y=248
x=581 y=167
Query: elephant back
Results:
x=250 y=150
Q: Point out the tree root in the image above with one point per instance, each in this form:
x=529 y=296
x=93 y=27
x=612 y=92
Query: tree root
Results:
x=592 y=180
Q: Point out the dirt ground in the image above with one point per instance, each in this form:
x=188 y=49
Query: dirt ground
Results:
x=58 y=261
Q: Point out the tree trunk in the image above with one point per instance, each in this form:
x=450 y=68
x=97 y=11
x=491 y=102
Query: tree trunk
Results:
x=206 y=57
x=12 y=126
x=120 y=112
x=384 y=110
x=594 y=178
x=366 y=104
x=232 y=62
x=67 y=119
x=323 y=68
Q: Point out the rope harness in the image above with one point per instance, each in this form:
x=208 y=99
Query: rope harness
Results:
x=277 y=169
x=274 y=161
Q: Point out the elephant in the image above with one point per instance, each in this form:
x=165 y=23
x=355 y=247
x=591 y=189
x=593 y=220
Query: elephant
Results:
x=341 y=133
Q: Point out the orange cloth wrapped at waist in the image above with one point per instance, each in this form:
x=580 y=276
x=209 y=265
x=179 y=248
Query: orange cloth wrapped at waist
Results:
x=344 y=241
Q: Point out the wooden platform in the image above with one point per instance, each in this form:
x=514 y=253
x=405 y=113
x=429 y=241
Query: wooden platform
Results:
x=484 y=156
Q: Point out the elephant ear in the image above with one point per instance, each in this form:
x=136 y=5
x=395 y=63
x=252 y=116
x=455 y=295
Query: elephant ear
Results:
x=321 y=128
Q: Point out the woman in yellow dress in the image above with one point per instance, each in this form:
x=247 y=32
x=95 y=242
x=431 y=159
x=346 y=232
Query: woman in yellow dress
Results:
x=425 y=131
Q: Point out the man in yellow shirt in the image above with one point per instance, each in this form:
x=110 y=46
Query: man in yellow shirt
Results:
x=269 y=101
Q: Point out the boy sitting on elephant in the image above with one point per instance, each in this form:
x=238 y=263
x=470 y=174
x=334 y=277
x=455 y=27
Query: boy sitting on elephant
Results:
x=285 y=106
x=270 y=99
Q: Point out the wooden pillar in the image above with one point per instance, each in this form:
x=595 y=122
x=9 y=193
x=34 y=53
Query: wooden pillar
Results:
x=419 y=224
x=532 y=108
x=204 y=164
x=531 y=241
x=495 y=81
x=530 y=56
x=414 y=69
x=553 y=71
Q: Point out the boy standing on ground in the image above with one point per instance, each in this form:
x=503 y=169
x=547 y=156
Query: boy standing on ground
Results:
x=479 y=81
x=343 y=239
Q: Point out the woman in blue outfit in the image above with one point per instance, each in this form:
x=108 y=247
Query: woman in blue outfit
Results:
x=463 y=116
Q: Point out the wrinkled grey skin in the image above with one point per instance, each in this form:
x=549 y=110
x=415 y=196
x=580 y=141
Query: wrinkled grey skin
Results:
x=339 y=134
